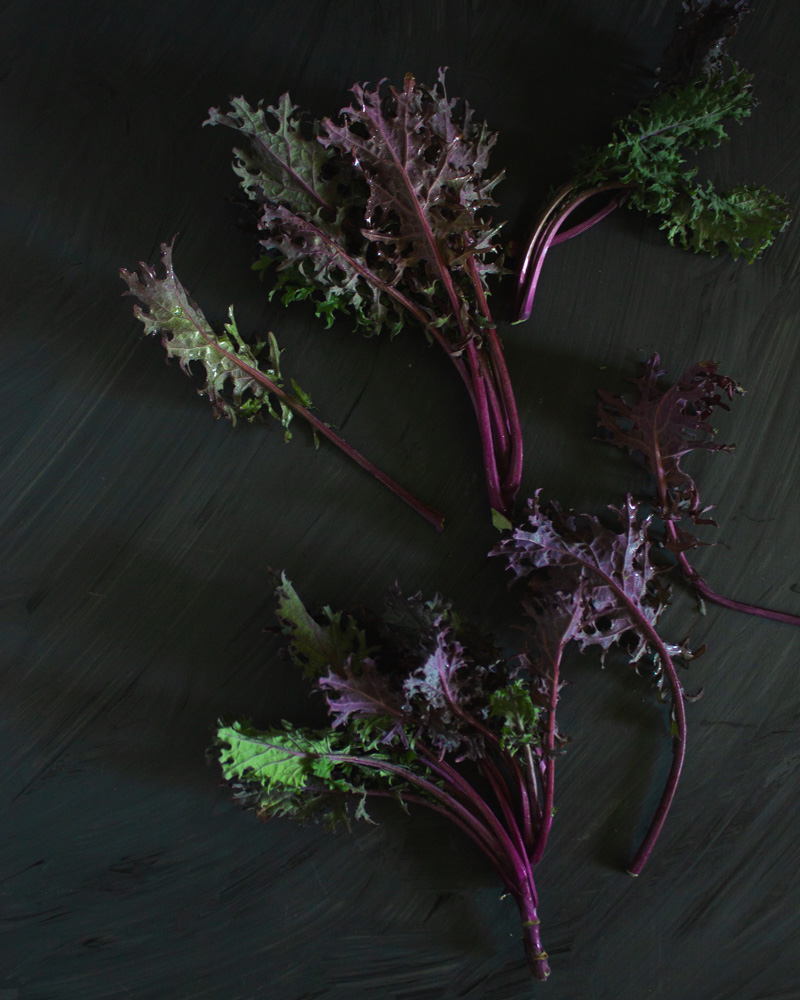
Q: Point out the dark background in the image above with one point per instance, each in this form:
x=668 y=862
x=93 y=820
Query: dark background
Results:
x=137 y=533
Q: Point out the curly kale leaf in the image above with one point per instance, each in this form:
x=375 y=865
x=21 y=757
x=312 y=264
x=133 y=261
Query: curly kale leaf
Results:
x=519 y=709
x=424 y=160
x=362 y=691
x=304 y=774
x=309 y=201
x=587 y=583
x=647 y=157
x=235 y=376
x=662 y=424
x=379 y=222
x=283 y=162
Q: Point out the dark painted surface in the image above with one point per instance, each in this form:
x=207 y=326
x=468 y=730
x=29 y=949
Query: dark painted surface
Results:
x=136 y=532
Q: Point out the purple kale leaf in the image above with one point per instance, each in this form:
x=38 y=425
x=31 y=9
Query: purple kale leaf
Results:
x=390 y=225
x=424 y=160
x=658 y=427
x=600 y=585
x=594 y=586
x=661 y=424
x=362 y=691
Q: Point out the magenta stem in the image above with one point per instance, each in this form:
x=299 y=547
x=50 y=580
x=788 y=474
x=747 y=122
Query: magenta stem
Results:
x=678 y=709
x=567 y=234
x=678 y=754
x=485 y=427
x=531 y=936
x=549 y=774
x=544 y=237
x=513 y=472
x=705 y=591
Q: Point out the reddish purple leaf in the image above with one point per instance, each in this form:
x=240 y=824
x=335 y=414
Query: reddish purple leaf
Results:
x=661 y=425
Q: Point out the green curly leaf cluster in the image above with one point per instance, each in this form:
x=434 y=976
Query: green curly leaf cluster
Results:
x=647 y=155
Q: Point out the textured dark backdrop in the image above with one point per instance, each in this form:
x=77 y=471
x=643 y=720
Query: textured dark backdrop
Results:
x=137 y=533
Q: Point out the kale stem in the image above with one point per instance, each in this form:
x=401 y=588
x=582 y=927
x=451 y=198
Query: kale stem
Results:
x=499 y=786
x=531 y=936
x=544 y=236
x=678 y=710
x=451 y=776
x=678 y=740
x=513 y=472
x=549 y=775
x=455 y=818
x=705 y=591
x=485 y=426
x=611 y=205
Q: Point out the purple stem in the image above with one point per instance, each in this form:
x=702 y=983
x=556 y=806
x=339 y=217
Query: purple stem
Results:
x=520 y=883
x=500 y=788
x=678 y=708
x=485 y=427
x=544 y=237
x=549 y=775
x=453 y=817
x=531 y=936
x=513 y=472
x=705 y=591
x=449 y=774
x=567 y=234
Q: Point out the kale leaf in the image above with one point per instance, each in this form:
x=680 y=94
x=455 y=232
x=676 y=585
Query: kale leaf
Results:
x=238 y=380
x=658 y=426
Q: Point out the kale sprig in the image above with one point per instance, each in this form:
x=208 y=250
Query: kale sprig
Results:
x=644 y=164
x=241 y=380
x=382 y=215
x=427 y=711
x=658 y=425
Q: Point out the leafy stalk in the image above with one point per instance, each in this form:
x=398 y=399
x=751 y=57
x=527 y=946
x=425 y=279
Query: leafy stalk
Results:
x=425 y=710
x=235 y=382
x=658 y=427
x=416 y=700
x=596 y=587
x=381 y=215
x=644 y=166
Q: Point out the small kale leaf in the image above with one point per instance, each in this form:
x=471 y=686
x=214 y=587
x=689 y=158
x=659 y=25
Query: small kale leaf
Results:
x=363 y=692
x=282 y=163
x=231 y=367
x=662 y=424
x=520 y=712
x=606 y=588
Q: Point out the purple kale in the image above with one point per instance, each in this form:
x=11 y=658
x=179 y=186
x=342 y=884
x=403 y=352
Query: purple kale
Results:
x=703 y=29
x=658 y=425
x=425 y=710
x=388 y=223
x=594 y=586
